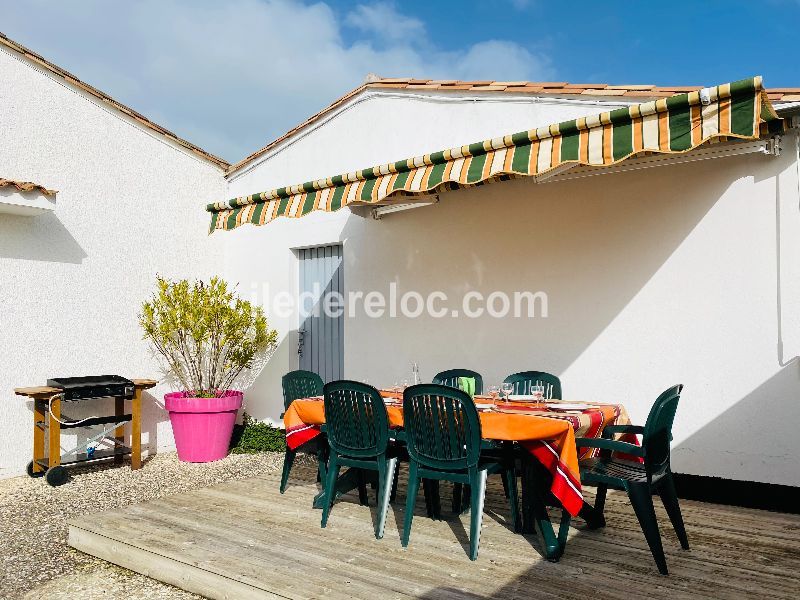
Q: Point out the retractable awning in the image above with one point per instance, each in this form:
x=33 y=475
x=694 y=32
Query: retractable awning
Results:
x=739 y=110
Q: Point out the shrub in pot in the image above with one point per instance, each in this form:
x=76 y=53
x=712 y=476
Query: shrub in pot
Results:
x=208 y=337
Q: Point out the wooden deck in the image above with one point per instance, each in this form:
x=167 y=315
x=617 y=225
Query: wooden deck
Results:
x=244 y=540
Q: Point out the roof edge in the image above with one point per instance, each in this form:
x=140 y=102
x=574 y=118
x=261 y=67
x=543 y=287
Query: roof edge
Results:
x=635 y=94
x=27 y=186
x=109 y=101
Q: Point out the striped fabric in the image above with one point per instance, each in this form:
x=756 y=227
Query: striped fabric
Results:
x=739 y=110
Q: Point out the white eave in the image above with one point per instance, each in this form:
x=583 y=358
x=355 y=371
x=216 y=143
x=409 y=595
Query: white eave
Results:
x=26 y=203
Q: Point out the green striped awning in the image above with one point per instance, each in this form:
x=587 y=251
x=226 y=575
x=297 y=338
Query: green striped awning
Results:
x=669 y=125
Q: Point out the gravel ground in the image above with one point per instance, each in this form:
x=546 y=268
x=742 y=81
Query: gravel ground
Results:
x=35 y=561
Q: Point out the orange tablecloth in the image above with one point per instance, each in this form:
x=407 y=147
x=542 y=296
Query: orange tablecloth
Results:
x=547 y=434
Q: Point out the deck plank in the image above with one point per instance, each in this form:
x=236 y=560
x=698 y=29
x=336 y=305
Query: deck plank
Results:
x=243 y=539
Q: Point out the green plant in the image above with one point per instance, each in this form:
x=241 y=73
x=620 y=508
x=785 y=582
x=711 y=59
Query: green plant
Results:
x=259 y=437
x=206 y=334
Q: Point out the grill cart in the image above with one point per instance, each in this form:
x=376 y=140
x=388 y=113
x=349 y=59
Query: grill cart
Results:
x=48 y=419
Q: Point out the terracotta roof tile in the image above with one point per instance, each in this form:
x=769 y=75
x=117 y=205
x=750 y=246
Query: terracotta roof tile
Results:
x=26 y=186
x=105 y=98
x=606 y=92
x=586 y=85
x=650 y=94
x=679 y=89
x=634 y=92
x=631 y=87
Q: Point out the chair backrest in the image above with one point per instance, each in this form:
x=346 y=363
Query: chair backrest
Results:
x=450 y=378
x=658 y=430
x=300 y=384
x=443 y=430
x=356 y=419
x=525 y=379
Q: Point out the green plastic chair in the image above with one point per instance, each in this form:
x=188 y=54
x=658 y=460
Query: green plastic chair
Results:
x=639 y=480
x=450 y=378
x=303 y=384
x=460 y=495
x=524 y=380
x=358 y=435
x=443 y=437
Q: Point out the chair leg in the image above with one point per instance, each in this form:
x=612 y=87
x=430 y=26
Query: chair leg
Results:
x=426 y=492
x=600 y=499
x=288 y=460
x=436 y=502
x=322 y=467
x=465 y=498
x=478 y=492
x=510 y=483
x=670 y=499
x=386 y=471
x=563 y=530
x=362 y=488
x=642 y=501
x=395 y=481
x=506 y=489
x=411 y=500
x=433 y=506
x=458 y=490
x=330 y=487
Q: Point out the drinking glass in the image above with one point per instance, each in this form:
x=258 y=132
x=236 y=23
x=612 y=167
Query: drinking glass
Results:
x=494 y=392
x=537 y=391
x=507 y=388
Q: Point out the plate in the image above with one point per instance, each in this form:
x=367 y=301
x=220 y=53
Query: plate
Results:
x=566 y=406
x=484 y=405
x=522 y=398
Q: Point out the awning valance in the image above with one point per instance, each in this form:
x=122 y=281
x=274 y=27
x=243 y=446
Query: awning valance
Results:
x=669 y=125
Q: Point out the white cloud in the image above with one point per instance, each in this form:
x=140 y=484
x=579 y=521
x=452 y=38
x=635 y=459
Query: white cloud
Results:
x=232 y=76
x=384 y=18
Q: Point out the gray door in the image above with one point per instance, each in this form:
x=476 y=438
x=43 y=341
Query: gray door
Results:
x=321 y=341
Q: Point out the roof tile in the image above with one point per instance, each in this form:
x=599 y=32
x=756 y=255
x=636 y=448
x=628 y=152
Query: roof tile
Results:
x=631 y=87
x=26 y=186
x=586 y=85
x=640 y=92
x=605 y=92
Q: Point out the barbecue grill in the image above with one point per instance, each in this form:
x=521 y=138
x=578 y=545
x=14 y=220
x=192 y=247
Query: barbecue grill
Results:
x=107 y=443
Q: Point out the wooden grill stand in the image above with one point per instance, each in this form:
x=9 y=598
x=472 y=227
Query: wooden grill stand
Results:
x=45 y=423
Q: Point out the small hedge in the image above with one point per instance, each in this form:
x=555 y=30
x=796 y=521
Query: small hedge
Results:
x=253 y=436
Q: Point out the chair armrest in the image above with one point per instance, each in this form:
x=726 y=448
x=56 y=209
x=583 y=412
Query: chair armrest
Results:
x=613 y=445
x=612 y=429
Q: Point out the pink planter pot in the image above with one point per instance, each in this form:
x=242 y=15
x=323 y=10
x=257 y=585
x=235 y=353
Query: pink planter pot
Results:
x=202 y=426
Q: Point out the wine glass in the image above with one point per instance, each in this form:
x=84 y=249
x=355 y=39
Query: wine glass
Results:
x=537 y=391
x=494 y=392
x=507 y=389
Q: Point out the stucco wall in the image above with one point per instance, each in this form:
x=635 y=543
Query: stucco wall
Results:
x=654 y=277
x=129 y=206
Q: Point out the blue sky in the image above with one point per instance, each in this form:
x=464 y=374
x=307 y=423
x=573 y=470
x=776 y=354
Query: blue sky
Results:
x=231 y=76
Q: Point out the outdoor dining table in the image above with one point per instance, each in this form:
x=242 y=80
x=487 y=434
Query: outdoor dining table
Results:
x=547 y=430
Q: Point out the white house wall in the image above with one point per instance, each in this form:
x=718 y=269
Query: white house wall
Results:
x=129 y=206
x=654 y=277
